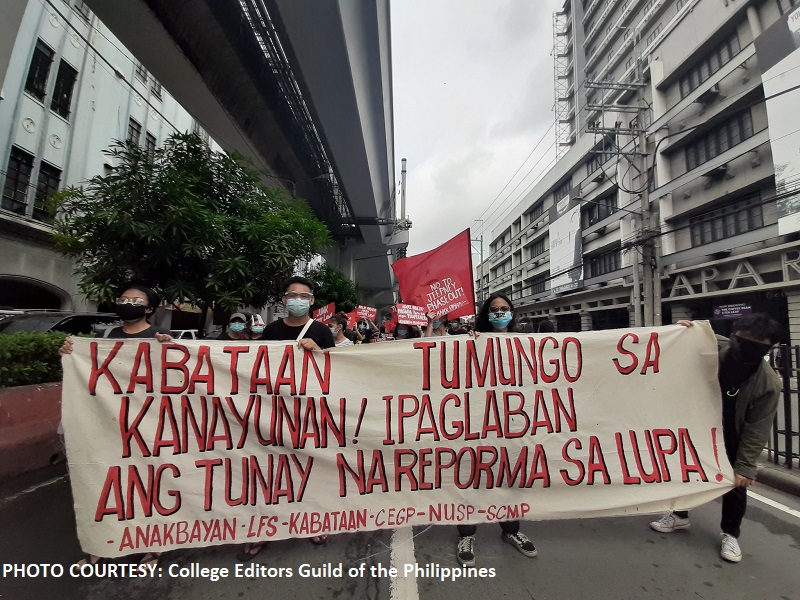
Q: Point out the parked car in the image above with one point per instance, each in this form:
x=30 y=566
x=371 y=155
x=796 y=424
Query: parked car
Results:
x=68 y=322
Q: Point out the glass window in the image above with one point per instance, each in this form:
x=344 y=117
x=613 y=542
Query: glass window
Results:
x=62 y=94
x=134 y=131
x=39 y=71
x=47 y=185
x=156 y=89
x=150 y=143
x=141 y=72
x=18 y=178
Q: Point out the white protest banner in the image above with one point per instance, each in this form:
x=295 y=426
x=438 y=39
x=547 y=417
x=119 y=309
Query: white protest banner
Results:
x=409 y=314
x=187 y=445
x=366 y=312
x=325 y=313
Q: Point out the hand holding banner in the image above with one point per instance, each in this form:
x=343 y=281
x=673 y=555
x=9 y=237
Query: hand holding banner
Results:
x=204 y=443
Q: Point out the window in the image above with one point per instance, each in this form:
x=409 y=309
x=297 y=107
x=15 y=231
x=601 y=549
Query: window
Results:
x=654 y=34
x=785 y=5
x=603 y=263
x=83 y=10
x=134 y=131
x=740 y=217
x=537 y=284
x=156 y=89
x=600 y=209
x=562 y=191
x=537 y=248
x=62 y=94
x=18 y=178
x=710 y=64
x=49 y=180
x=720 y=139
x=200 y=132
x=39 y=71
x=537 y=211
x=150 y=143
x=141 y=72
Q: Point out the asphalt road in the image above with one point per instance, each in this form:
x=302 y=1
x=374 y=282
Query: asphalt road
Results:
x=595 y=558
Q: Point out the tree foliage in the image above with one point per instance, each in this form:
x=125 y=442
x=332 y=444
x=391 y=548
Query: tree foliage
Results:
x=196 y=225
x=334 y=286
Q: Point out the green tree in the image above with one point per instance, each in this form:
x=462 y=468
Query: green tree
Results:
x=196 y=225
x=334 y=286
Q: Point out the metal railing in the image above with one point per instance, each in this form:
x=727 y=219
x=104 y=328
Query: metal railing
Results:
x=784 y=447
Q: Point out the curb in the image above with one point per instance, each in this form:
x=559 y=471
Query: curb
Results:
x=780 y=478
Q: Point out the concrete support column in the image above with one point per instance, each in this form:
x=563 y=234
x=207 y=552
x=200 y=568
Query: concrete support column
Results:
x=586 y=321
x=754 y=20
x=793 y=306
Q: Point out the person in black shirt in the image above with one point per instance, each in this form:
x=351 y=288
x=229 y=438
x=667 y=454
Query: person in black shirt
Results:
x=134 y=305
x=298 y=297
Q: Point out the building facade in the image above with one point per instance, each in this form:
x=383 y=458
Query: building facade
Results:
x=70 y=89
x=664 y=203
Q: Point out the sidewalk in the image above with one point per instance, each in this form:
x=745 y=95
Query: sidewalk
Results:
x=779 y=477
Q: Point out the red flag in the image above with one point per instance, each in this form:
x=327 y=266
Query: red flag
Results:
x=441 y=279
x=325 y=313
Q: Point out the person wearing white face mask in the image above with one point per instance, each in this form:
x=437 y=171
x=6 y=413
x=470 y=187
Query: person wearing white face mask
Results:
x=337 y=324
x=255 y=327
x=298 y=324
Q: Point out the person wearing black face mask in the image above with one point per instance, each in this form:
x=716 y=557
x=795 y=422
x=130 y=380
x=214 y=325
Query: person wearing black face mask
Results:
x=134 y=305
x=750 y=393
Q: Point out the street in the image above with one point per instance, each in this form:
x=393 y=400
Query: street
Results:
x=592 y=558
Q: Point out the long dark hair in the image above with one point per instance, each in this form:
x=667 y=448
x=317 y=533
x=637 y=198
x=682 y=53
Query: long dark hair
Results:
x=482 y=323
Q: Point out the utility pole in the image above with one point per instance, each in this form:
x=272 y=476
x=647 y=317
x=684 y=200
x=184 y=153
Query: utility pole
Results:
x=480 y=266
x=402 y=189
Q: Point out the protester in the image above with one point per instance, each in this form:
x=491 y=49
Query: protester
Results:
x=367 y=329
x=337 y=324
x=545 y=326
x=310 y=335
x=255 y=327
x=437 y=326
x=495 y=316
x=406 y=332
x=456 y=327
x=750 y=393
x=134 y=305
x=237 y=328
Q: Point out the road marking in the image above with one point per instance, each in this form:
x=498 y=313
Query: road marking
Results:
x=403 y=588
x=31 y=489
x=773 y=504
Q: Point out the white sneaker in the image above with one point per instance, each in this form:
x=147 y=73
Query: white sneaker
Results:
x=465 y=551
x=729 y=549
x=669 y=523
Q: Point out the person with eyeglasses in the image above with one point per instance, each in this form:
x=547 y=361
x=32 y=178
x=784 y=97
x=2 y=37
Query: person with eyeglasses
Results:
x=750 y=394
x=495 y=316
x=311 y=335
x=134 y=305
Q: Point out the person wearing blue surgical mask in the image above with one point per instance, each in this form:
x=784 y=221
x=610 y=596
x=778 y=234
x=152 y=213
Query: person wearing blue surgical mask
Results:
x=256 y=327
x=298 y=296
x=495 y=316
x=437 y=326
x=236 y=329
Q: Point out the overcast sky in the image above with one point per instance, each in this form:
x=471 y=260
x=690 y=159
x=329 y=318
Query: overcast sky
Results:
x=473 y=94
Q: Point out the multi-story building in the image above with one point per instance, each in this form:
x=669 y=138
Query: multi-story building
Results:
x=663 y=205
x=70 y=89
x=305 y=96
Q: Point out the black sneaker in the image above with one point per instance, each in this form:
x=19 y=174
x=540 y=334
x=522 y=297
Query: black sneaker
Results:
x=465 y=551
x=521 y=542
